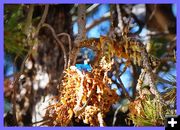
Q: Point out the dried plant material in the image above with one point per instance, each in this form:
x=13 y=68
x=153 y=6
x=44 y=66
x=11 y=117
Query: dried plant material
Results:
x=126 y=47
x=84 y=96
x=83 y=92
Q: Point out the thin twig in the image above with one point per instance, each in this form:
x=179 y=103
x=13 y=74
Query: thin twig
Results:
x=112 y=28
x=120 y=20
x=140 y=23
x=164 y=80
x=124 y=89
x=41 y=121
x=24 y=61
x=30 y=51
x=152 y=14
x=115 y=114
x=69 y=42
x=58 y=41
x=90 y=47
x=121 y=85
x=96 y=22
x=14 y=96
x=43 y=17
x=166 y=59
x=69 y=39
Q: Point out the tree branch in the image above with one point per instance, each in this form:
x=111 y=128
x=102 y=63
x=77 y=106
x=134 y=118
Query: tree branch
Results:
x=43 y=17
x=115 y=114
x=81 y=22
x=29 y=19
x=69 y=41
x=164 y=80
x=140 y=80
x=89 y=11
x=120 y=20
x=121 y=85
x=81 y=32
x=92 y=8
x=96 y=22
x=58 y=41
x=150 y=75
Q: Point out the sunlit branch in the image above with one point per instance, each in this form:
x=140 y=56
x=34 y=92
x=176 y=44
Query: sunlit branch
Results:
x=92 y=8
x=120 y=20
x=115 y=114
x=151 y=78
x=140 y=80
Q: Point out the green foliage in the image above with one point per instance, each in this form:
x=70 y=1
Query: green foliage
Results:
x=13 y=30
x=158 y=46
x=147 y=111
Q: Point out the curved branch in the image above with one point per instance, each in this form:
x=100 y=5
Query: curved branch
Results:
x=43 y=18
x=70 y=45
x=69 y=39
x=58 y=41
